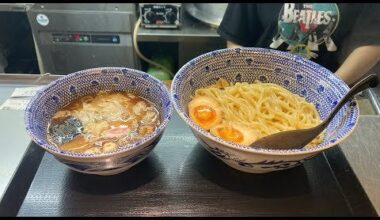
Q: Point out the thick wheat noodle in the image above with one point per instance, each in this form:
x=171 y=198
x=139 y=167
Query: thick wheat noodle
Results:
x=266 y=107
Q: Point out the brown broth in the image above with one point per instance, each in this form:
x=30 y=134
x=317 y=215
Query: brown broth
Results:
x=102 y=122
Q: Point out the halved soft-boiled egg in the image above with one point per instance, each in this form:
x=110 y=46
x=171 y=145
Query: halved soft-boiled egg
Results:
x=205 y=112
x=236 y=133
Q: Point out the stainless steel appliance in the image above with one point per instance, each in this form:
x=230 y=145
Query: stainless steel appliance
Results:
x=15 y=7
x=72 y=36
x=161 y=15
x=209 y=13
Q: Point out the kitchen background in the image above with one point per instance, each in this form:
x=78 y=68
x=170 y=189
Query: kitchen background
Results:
x=59 y=38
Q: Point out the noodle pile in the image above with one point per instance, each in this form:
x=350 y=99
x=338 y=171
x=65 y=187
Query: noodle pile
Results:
x=266 y=107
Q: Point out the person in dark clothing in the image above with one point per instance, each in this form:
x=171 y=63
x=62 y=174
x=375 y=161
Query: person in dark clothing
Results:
x=344 y=38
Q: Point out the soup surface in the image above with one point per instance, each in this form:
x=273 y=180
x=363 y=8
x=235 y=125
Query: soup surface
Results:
x=244 y=112
x=102 y=122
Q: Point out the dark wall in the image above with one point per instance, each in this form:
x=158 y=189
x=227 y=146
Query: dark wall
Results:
x=16 y=43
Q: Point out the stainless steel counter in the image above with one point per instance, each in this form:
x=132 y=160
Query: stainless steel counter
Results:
x=361 y=149
x=13 y=137
x=13 y=141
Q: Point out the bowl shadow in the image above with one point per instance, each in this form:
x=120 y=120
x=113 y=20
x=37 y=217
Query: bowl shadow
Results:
x=277 y=184
x=137 y=176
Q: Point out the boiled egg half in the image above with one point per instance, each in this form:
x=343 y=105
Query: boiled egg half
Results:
x=205 y=112
x=235 y=132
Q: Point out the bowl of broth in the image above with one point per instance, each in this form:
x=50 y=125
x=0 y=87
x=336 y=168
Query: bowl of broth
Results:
x=232 y=97
x=100 y=121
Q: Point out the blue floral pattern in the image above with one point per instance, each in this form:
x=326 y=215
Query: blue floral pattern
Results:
x=62 y=91
x=265 y=164
x=301 y=76
x=126 y=161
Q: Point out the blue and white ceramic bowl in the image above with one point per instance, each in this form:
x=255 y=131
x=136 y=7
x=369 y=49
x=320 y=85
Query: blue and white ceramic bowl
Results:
x=62 y=91
x=303 y=77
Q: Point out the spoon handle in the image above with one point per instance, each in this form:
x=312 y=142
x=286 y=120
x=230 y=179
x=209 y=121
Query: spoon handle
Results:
x=369 y=81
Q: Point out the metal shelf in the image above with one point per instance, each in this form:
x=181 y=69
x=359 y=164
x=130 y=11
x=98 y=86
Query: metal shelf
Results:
x=191 y=30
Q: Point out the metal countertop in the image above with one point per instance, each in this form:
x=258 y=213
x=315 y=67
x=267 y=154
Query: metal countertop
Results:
x=362 y=150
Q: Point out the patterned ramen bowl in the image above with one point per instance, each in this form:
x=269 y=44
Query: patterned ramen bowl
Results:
x=62 y=91
x=303 y=77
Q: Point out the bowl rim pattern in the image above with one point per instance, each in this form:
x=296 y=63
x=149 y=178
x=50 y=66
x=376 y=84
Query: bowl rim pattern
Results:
x=56 y=151
x=263 y=151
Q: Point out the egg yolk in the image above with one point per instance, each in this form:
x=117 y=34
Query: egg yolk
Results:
x=230 y=134
x=204 y=114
